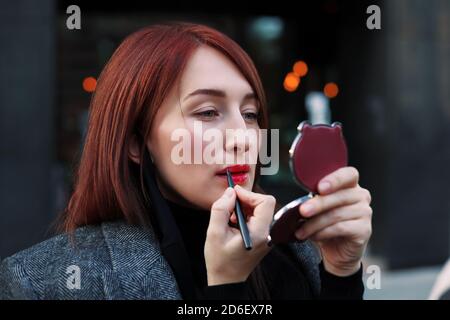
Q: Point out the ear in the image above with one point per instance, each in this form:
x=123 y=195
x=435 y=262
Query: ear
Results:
x=133 y=150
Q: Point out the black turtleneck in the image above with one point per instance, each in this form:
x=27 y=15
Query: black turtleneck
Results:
x=193 y=225
x=291 y=283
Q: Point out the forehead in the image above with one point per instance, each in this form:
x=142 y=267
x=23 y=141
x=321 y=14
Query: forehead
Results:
x=208 y=68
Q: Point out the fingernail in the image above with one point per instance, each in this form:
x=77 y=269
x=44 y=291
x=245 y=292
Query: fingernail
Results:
x=229 y=192
x=324 y=186
x=307 y=208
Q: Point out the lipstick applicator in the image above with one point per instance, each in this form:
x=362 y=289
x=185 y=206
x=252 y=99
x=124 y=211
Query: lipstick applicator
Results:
x=240 y=217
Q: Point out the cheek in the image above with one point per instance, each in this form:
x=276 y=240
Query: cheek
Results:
x=201 y=187
x=160 y=147
x=197 y=145
x=193 y=182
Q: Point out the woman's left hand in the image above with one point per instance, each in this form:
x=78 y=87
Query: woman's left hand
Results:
x=339 y=221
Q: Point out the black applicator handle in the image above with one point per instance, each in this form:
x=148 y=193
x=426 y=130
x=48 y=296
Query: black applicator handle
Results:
x=240 y=217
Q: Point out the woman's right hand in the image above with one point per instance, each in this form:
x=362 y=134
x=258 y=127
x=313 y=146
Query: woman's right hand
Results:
x=227 y=260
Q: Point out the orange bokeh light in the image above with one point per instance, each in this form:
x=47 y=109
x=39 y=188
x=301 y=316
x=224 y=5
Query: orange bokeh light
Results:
x=300 y=68
x=331 y=90
x=89 y=84
x=291 y=82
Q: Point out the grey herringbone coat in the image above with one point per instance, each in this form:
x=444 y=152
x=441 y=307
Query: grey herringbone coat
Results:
x=114 y=261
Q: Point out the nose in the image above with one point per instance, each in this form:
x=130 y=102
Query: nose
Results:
x=237 y=137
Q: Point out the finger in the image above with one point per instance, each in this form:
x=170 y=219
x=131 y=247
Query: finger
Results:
x=368 y=195
x=333 y=216
x=221 y=211
x=339 y=198
x=249 y=198
x=233 y=218
x=263 y=204
x=258 y=223
x=360 y=230
x=346 y=177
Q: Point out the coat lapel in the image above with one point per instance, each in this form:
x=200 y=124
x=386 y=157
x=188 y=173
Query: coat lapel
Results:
x=139 y=270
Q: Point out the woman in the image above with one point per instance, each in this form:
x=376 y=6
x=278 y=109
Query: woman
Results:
x=139 y=225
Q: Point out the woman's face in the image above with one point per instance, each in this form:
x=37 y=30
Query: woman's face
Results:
x=212 y=94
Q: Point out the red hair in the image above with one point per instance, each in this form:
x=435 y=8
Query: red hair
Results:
x=129 y=91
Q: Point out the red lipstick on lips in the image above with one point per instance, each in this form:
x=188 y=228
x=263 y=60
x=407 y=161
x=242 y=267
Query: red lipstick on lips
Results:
x=239 y=173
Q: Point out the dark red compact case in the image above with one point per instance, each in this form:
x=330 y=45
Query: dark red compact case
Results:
x=317 y=151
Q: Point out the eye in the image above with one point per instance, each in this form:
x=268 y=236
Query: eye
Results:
x=207 y=114
x=250 y=116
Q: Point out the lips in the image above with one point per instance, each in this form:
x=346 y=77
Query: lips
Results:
x=239 y=173
x=238 y=168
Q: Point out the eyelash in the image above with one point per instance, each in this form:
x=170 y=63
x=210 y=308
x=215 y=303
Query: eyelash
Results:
x=207 y=114
x=253 y=114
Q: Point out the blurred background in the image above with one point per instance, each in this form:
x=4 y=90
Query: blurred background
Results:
x=318 y=61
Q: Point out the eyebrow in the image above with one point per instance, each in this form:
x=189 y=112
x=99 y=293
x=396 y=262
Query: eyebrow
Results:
x=217 y=93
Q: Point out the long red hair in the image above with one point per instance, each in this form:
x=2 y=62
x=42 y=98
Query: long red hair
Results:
x=129 y=91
